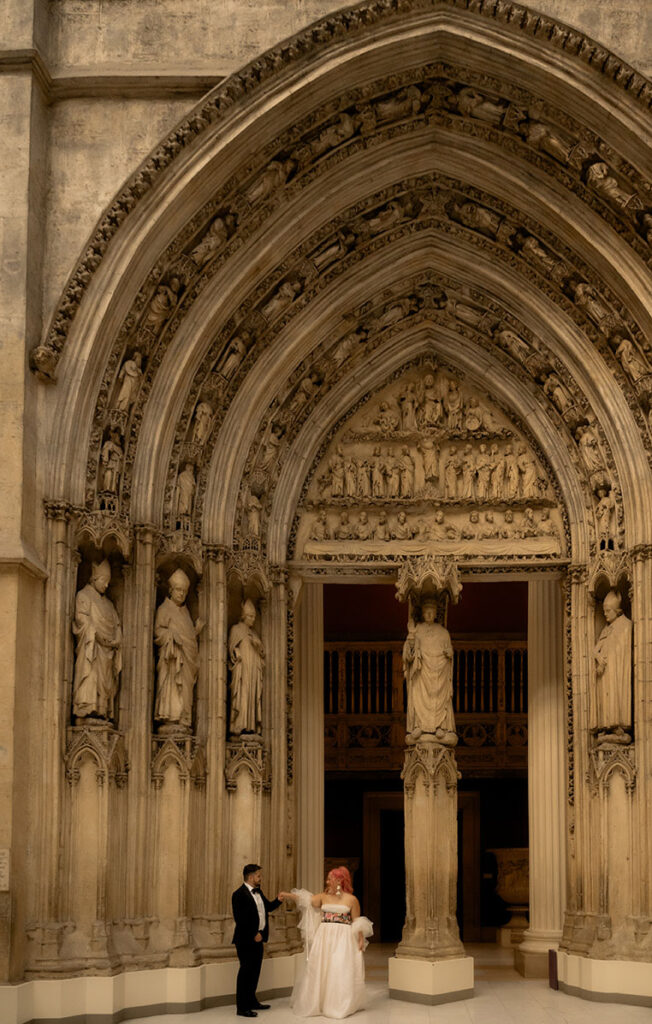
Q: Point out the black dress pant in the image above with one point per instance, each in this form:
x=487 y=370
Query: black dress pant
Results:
x=250 y=955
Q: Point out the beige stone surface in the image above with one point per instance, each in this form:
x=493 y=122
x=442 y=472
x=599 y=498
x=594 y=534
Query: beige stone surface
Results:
x=328 y=232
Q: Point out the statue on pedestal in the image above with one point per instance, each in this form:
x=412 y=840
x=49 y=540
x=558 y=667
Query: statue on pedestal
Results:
x=611 y=714
x=247 y=658
x=178 y=658
x=99 y=648
x=428 y=666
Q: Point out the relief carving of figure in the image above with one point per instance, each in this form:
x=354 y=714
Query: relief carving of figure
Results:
x=350 y=476
x=129 y=380
x=282 y=299
x=202 y=423
x=466 y=314
x=178 y=656
x=389 y=216
x=382 y=531
x=611 y=715
x=402 y=530
x=467 y=491
x=408 y=403
x=514 y=344
x=478 y=218
x=497 y=473
x=387 y=419
x=334 y=249
x=529 y=526
x=111 y=462
x=247 y=661
x=547 y=528
x=483 y=464
x=453 y=406
x=235 y=353
x=558 y=394
x=633 y=363
x=588 y=300
x=214 y=239
x=186 y=485
x=162 y=305
x=489 y=531
x=510 y=485
x=451 y=470
x=273 y=177
x=98 y=661
x=473 y=416
x=605 y=515
x=320 y=530
x=430 y=454
x=528 y=473
x=254 y=511
x=402 y=105
x=363 y=530
x=345 y=347
x=589 y=450
x=474 y=104
x=341 y=130
x=392 y=475
x=344 y=530
x=406 y=468
x=363 y=489
x=598 y=177
x=336 y=468
x=546 y=139
x=377 y=475
x=541 y=258
x=428 y=667
x=429 y=403
x=471 y=530
x=270 y=447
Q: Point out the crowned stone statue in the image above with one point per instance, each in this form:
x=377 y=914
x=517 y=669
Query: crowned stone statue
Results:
x=98 y=660
x=428 y=666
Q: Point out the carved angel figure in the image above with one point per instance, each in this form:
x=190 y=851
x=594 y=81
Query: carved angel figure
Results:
x=178 y=656
x=247 y=660
x=273 y=177
x=633 y=363
x=162 y=305
x=202 y=424
x=283 y=297
x=214 y=238
x=235 y=353
x=428 y=666
x=98 y=662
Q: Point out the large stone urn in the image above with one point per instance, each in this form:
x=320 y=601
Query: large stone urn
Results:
x=513 y=886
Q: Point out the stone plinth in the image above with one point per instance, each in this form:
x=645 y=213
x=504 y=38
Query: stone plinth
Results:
x=430 y=965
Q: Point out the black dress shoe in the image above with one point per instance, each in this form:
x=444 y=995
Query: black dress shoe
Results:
x=261 y=1006
x=246 y=1013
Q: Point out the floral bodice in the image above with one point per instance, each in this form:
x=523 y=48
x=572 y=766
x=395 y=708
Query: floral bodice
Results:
x=335 y=913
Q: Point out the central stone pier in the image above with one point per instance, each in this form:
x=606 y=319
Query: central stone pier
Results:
x=430 y=964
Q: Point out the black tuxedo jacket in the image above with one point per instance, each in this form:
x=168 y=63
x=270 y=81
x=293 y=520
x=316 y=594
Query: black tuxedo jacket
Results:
x=245 y=915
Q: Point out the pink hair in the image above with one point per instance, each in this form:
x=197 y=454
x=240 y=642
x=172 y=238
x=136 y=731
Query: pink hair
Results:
x=343 y=876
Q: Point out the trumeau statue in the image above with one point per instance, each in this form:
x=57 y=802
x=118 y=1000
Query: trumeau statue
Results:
x=247 y=660
x=99 y=648
x=611 y=714
x=428 y=666
x=178 y=657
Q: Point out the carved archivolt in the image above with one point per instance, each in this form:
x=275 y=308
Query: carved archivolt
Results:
x=603 y=176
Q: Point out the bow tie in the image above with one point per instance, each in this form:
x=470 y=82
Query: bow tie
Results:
x=256 y=889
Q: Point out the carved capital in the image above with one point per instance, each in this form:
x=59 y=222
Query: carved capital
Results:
x=182 y=750
x=250 y=755
x=433 y=763
x=608 y=758
x=101 y=743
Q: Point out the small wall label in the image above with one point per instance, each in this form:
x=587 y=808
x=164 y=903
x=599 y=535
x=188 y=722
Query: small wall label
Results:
x=4 y=870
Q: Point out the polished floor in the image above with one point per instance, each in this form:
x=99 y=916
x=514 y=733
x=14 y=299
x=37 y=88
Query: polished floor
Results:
x=501 y=997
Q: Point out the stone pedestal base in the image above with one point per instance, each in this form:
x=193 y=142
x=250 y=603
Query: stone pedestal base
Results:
x=138 y=993
x=427 y=981
x=605 y=981
x=531 y=957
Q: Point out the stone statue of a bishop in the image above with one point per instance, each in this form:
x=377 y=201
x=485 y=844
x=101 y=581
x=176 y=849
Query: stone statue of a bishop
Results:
x=611 y=705
x=247 y=658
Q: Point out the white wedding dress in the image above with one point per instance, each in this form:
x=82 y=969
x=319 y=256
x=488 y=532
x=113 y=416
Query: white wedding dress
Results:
x=331 y=981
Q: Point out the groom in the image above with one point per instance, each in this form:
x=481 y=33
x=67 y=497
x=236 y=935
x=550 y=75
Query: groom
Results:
x=250 y=913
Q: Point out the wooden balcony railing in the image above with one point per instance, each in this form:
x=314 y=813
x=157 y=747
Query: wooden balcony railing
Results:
x=365 y=703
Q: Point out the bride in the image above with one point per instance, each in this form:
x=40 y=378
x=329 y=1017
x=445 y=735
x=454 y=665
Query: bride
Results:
x=334 y=935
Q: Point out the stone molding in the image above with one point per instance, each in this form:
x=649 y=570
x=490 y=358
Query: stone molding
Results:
x=273 y=65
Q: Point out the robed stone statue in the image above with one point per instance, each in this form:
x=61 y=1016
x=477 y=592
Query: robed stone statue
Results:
x=247 y=658
x=428 y=667
x=178 y=657
x=99 y=648
x=611 y=707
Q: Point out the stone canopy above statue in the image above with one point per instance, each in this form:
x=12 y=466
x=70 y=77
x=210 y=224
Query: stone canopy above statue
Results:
x=428 y=463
